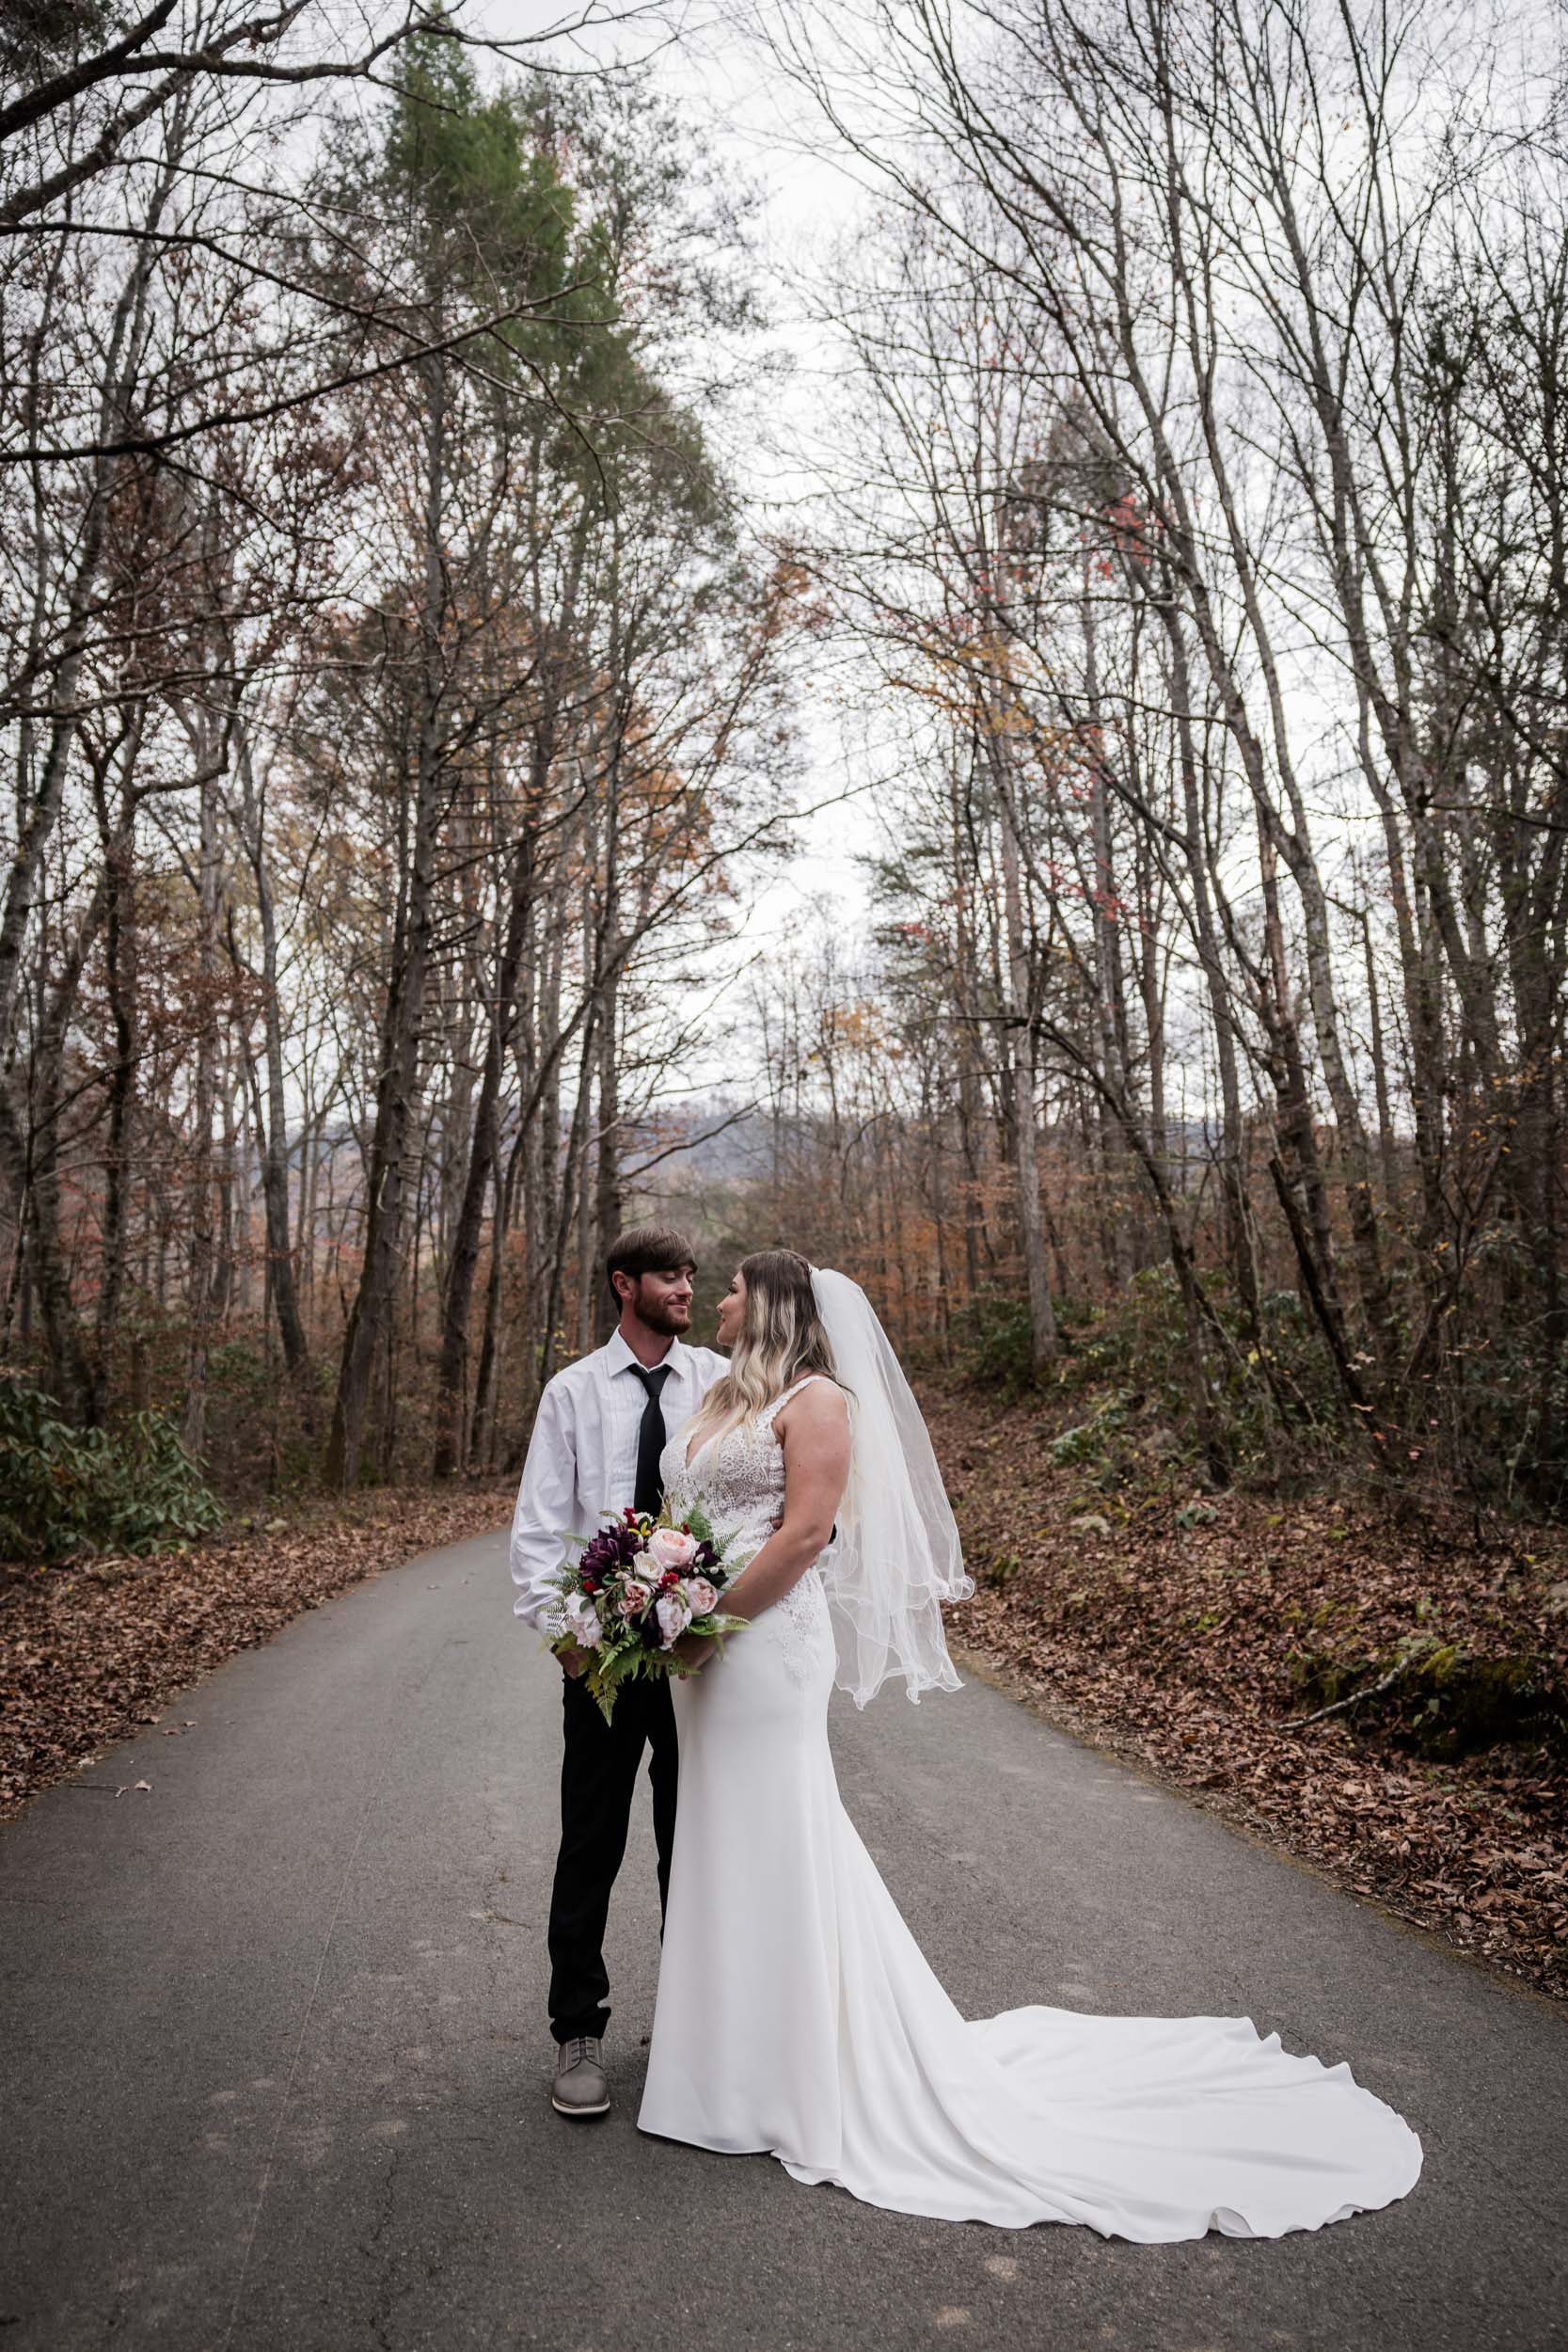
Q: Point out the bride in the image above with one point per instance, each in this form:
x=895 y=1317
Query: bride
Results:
x=795 y=2013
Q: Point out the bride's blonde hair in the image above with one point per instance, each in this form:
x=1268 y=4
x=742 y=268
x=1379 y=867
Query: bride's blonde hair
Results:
x=781 y=1339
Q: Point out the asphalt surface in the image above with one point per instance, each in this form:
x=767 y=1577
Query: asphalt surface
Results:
x=274 y=2063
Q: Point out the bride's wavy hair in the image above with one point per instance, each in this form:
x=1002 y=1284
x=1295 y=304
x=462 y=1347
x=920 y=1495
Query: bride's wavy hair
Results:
x=781 y=1339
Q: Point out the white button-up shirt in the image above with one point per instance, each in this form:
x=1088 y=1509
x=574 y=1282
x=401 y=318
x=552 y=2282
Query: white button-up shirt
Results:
x=582 y=1456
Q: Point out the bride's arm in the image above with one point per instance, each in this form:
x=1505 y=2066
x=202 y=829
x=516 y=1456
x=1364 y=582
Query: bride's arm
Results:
x=813 y=1429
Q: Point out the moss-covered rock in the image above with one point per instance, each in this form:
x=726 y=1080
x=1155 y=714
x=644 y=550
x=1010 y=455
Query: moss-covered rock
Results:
x=1441 y=1697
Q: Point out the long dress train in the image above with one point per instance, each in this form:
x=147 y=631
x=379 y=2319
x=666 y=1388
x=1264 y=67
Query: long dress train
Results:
x=795 y=2013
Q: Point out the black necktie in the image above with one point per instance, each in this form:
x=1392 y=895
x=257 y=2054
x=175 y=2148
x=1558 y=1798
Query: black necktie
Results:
x=649 y=1492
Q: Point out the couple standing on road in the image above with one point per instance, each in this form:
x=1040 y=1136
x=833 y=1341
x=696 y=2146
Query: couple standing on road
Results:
x=795 y=2015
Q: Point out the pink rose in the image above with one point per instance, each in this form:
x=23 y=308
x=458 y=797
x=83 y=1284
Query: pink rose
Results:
x=700 y=1595
x=672 y=1547
x=674 y=1618
x=634 y=1597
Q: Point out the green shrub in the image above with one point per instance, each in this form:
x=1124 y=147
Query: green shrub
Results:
x=992 y=1336
x=65 y=1490
x=1089 y=1440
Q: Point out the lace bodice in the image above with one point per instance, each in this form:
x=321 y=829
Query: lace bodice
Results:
x=738 y=1479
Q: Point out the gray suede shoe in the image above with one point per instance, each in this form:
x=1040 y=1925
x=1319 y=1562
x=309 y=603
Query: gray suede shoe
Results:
x=581 y=2088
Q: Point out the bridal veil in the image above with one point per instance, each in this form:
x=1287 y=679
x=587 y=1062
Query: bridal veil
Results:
x=897 y=1557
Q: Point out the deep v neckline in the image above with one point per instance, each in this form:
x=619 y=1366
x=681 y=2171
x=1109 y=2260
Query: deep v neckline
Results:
x=689 y=1460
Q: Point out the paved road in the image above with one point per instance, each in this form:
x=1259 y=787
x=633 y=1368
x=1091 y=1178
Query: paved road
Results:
x=273 y=2067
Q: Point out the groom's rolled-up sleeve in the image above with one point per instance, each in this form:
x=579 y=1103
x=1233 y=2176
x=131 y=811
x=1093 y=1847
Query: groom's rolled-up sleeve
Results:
x=546 y=1502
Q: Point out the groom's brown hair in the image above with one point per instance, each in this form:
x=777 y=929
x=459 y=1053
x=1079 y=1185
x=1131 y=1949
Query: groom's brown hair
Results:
x=647 y=1249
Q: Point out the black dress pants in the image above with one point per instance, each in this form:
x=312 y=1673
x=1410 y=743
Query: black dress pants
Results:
x=598 y=1779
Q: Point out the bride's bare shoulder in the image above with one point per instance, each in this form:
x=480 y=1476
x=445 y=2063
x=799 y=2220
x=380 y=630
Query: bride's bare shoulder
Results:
x=819 y=1409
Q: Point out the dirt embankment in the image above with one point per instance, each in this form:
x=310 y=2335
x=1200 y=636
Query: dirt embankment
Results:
x=1197 y=1631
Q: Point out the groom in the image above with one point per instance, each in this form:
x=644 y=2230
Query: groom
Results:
x=601 y=1427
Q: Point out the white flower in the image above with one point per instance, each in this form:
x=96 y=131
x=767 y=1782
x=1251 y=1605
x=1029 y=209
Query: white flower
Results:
x=700 y=1595
x=672 y=1547
x=582 y=1621
x=634 y=1597
x=674 y=1617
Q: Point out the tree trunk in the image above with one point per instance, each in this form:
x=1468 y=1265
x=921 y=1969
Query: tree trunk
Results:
x=200 y=1283
x=1019 y=1048
x=366 y=1335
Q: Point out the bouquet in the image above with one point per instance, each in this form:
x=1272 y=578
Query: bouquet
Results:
x=633 y=1590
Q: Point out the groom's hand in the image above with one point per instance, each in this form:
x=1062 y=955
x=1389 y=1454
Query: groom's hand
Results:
x=574 y=1661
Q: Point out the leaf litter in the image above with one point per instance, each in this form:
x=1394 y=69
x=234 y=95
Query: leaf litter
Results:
x=1194 y=1632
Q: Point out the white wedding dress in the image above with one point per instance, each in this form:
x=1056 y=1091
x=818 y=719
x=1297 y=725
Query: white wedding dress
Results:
x=795 y=2013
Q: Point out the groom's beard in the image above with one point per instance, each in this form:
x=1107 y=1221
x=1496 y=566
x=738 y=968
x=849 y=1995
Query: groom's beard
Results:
x=668 y=1320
